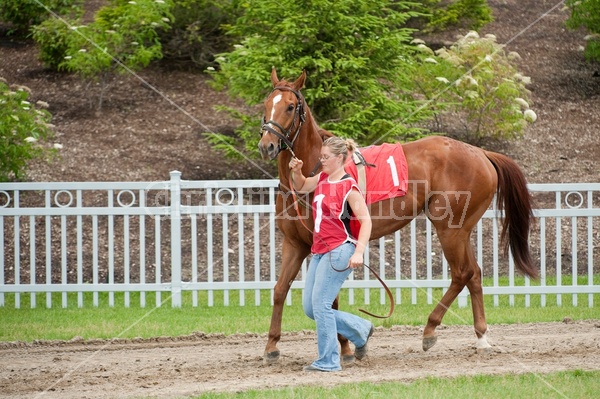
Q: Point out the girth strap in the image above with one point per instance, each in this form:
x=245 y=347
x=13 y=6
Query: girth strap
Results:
x=360 y=162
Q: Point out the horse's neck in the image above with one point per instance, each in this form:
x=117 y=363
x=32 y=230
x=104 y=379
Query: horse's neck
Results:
x=307 y=147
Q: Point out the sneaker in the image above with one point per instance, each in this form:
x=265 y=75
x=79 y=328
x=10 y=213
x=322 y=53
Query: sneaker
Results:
x=312 y=368
x=361 y=352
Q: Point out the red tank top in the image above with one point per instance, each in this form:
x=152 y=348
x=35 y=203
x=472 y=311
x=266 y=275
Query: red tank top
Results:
x=334 y=222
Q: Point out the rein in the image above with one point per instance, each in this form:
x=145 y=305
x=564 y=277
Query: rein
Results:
x=387 y=290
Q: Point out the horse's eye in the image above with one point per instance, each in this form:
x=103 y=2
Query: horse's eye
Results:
x=290 y=107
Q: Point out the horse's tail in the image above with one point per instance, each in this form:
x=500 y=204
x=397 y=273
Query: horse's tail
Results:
x=514 y=197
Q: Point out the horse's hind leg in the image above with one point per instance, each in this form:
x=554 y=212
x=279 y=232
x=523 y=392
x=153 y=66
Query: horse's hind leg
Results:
x=476 y=290
x=463 y=267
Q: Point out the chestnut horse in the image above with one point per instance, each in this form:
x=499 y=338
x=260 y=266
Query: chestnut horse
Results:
x=438 y=169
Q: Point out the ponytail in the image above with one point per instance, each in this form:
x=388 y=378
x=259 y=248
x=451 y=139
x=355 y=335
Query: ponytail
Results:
x=351 y=145
x=339 y=145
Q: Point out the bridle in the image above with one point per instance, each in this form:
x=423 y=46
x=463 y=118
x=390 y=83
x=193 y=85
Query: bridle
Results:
x=288 y=136
x=285 y=142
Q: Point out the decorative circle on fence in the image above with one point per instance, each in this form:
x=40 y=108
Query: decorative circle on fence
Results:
x=228 y=193
x=577 y=203
x=7 y=195
x=126 y=192
x=59 y=193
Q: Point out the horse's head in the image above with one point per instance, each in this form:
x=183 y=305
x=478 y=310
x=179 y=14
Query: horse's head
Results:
x=284 y=114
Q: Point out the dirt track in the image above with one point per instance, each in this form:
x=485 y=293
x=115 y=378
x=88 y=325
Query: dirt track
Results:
x=191 y=365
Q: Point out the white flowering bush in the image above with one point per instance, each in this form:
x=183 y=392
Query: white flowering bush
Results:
x=125 y=31
x=123 y=37
x=475 y=88
x=24 y=127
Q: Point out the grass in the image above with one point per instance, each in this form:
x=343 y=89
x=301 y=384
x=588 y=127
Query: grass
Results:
x=104 y=321
x=568 y=384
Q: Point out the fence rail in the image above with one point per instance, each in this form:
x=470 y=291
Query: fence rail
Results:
x=172 y=237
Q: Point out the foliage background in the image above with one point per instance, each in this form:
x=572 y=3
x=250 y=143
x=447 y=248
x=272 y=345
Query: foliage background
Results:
x=381 y=106
x=23 y=129
x=586 y=13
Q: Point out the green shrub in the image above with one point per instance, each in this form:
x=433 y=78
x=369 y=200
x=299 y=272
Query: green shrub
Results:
x=23 y=128
x=586 y=13
x=476 y=86
x=52 y=37
x=122 y=38
x=25 y=13
x=196 y=34
x=356 y=54
x=470 y=14
x=122 y=34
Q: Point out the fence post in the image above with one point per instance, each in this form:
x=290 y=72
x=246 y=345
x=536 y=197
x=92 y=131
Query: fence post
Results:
x=175 y=190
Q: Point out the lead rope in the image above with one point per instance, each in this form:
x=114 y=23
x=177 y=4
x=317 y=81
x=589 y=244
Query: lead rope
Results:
x=387 y=290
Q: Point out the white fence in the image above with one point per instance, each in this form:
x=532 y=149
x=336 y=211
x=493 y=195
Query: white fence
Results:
x=174 y=239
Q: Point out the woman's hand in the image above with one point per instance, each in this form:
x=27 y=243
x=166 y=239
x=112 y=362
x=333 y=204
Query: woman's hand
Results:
x=356 y=260
x=296 y=164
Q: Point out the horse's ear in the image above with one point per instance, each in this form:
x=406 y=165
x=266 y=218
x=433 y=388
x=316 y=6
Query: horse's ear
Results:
x=299 y=83
x=274 y=78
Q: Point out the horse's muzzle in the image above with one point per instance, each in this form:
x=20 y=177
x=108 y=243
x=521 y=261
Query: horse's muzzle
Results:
x=269 y=151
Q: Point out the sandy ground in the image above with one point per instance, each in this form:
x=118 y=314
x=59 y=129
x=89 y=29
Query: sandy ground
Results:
x=191 y=365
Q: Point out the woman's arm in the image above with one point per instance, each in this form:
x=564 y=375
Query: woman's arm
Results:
x=361 y=212
x=301 y=183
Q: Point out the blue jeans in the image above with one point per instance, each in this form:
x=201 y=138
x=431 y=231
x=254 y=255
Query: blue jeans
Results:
x=322 y=285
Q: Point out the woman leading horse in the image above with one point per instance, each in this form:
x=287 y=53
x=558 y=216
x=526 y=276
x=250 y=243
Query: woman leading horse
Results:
x=453 y=183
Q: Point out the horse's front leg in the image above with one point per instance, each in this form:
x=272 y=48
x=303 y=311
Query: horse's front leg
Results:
x=292 y=257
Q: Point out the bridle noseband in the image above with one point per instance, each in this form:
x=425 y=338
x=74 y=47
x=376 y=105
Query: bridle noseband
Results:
x=285 y=135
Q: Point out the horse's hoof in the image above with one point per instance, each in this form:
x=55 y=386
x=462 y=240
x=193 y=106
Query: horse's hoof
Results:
x=271 y=357
x=484 y=351
x=428 y=342
x=348 y=359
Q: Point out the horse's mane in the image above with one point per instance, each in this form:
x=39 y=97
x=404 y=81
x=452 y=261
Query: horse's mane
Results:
x=325 y=134
x=284 y=82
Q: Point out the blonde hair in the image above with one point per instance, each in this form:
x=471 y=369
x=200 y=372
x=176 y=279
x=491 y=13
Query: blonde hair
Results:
x=339 y=145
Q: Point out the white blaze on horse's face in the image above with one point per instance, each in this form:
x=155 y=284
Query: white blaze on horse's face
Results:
x=269 y=143
x=276 y=100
